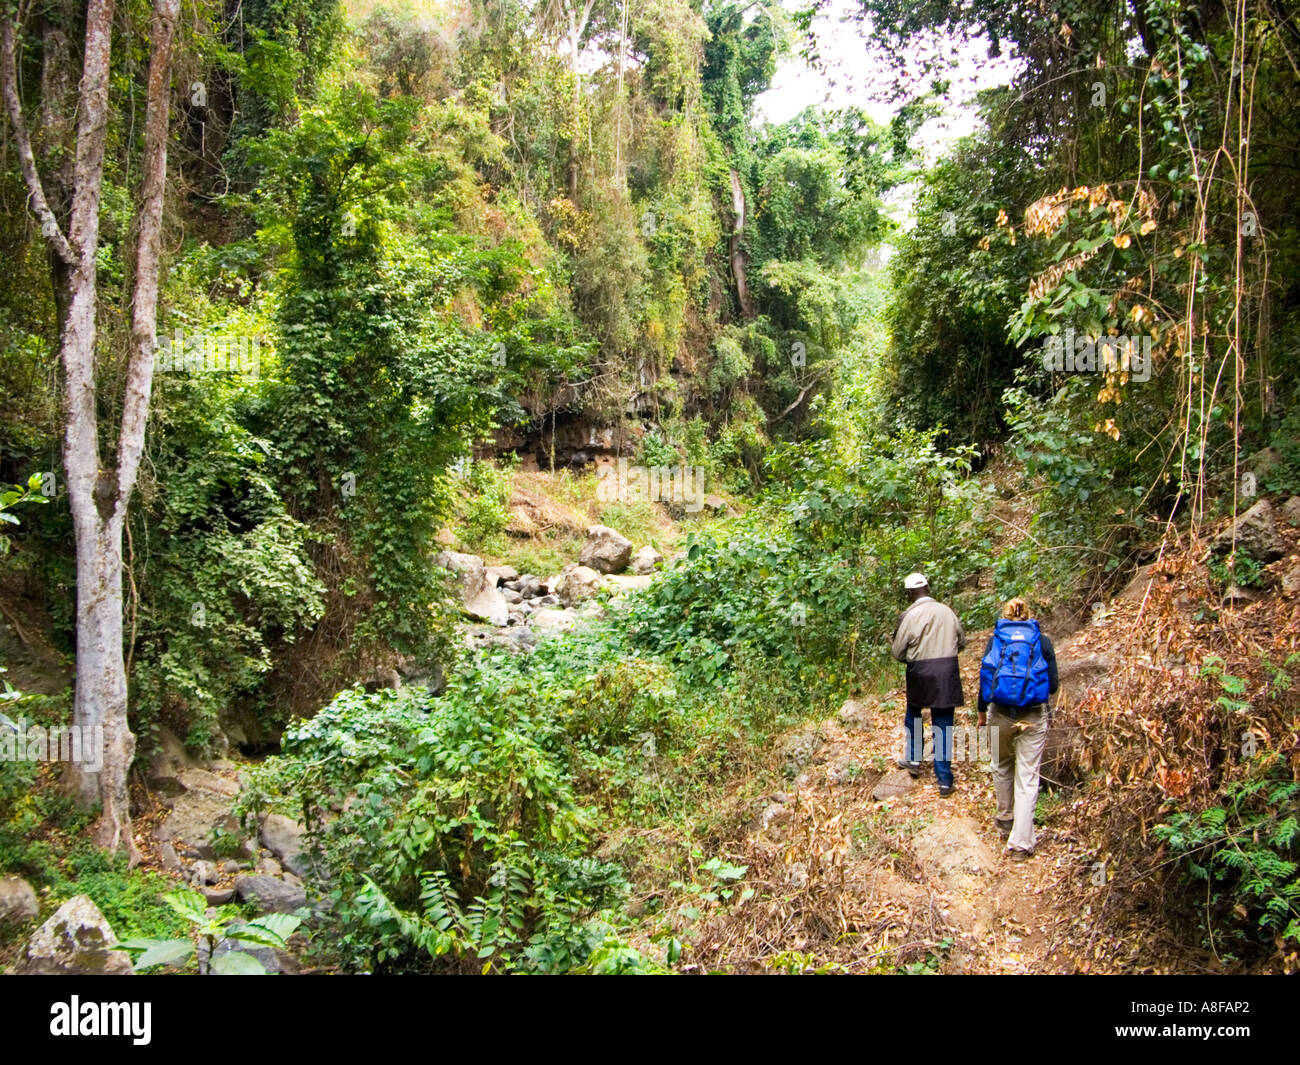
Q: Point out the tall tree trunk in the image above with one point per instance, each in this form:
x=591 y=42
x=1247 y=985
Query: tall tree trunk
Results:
x=98 y=497
x=739 y=260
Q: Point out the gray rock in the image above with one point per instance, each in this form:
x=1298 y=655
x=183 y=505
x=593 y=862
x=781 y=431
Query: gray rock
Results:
x=167 y=761
x=480 y=596
x=76 y=940
x=893 y=784
x=1263 y=461
x=270 y=894
x=621 y=584
x=1291 y=580
x=605 y=551
x=1289 y=512
x=844 y=770
x=286 y=839
x=230 y=866
x=207 y=783
x=218 y=896
x=269 y=867
x=501 y=574
x=523 y=639
x=169 y=859
x=553 y=620
x=203 y=872
x=201 y=809
x=646 y=560
x=1255 y=533
x=952 y=850
x=855 y=714
x=797 y=750
x=576 y=583
x=545 y=601
x=18 y=902
x=530 y=586
x=511 y=597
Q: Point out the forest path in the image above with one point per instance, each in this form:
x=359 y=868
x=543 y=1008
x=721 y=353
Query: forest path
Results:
x=857 y=867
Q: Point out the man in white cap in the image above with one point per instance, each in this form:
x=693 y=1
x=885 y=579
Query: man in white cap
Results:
x=928 y=638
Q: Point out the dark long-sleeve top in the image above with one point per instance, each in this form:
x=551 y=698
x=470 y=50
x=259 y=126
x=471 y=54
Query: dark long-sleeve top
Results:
x=1049 y=656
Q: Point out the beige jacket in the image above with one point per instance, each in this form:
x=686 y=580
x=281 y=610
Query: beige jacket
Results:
x=928 y=629
x=927 y=638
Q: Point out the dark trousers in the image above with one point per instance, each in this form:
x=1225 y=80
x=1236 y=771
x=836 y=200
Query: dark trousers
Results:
x=941 y=726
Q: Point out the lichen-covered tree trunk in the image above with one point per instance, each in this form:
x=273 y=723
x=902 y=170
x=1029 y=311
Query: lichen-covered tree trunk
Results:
x=98 y=496
x=738 y=258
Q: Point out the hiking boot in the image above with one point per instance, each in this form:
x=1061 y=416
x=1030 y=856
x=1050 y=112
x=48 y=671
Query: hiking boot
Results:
x=946 y=789
x=1017 y=855
x=1004 y=827
x=912 y=767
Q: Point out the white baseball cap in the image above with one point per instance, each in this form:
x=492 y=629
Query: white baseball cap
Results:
x=915 y=580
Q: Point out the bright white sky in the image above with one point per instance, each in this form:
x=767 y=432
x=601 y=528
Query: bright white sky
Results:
x=854 y=76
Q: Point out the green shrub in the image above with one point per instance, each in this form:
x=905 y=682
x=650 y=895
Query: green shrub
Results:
x=1246 y=851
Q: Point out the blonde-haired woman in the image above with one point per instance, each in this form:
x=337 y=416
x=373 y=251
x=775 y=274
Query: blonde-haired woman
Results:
x=1017 y=675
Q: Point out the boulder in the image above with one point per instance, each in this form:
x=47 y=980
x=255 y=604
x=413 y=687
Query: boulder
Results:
x=1262 y=462
x=845 y=770
x=76 y=940
x=168 y=858
x=553 y=620
x=893 y=784
x=646 y=560
x=1289 y=512
x=605 y=551
x=218 y=896
x=797 y=750
x=530 y=587
x=511 y=596
x=952 y=850
x=270 y=894
x=168 y=760
x=17 y=901
x=285 y=839
x=203 y=872
x=621 y=583
x=202 y=808
x=1291 y=580
x=855 y=714
x=1255 y=533
x=481 y=598
x=575 y=584
x=499 y=575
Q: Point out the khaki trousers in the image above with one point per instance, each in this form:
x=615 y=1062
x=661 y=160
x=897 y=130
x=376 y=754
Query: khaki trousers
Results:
x=1017 y=753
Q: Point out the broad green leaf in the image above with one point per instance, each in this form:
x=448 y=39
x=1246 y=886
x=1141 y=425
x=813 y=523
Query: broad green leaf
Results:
x=165 y=952
x=237 y=963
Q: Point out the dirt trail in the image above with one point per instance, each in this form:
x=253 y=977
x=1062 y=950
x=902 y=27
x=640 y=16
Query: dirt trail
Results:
x=859 y=868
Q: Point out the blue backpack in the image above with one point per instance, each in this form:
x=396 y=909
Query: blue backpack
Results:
x=1014 y=672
